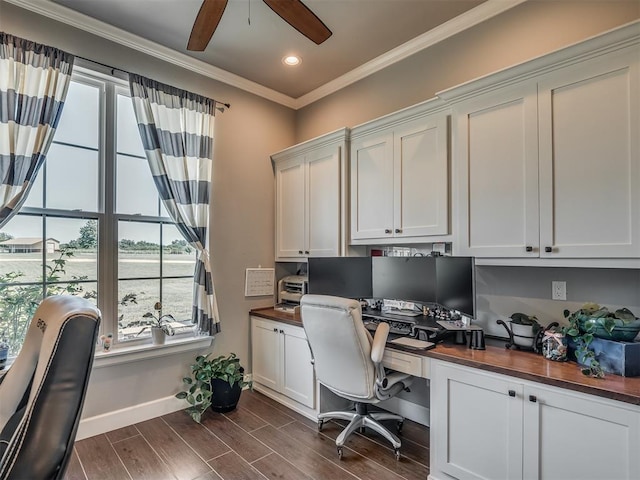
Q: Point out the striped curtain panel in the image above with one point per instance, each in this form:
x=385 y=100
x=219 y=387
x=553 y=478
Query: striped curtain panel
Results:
x=34 y=80
x=177 y=134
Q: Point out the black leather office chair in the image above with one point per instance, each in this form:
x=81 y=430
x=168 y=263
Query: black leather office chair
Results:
x=42 y=394
x=349 y=363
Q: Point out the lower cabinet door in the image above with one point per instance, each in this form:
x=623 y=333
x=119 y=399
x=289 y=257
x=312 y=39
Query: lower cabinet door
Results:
x=265 y=350
x=476 y=424
x=571 y=436
x=298 y=379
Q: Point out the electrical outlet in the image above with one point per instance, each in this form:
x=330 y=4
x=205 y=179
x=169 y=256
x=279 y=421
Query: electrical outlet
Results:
x=558 y=290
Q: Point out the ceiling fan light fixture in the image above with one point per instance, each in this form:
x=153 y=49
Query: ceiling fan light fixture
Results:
x=291 y=60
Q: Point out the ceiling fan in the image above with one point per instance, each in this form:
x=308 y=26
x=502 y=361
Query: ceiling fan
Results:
x=294 y=12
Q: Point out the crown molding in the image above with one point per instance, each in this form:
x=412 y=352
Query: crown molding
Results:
x=84 y=22
x=476 y=15
x=62 y=14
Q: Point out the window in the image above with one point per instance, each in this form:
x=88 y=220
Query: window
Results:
x=93 y=224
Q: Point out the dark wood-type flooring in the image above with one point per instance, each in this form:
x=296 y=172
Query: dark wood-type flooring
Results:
x=261 y=439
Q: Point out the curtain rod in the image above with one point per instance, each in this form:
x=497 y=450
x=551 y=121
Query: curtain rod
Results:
x=112 y=68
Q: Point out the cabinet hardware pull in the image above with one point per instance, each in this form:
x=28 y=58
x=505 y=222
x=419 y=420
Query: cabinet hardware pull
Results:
x=398 y=230
x=529 y=248
x=281 y=331
x=300 y=252
x=275 y=329
x=548 y=249
x=512 y=393
x=533 y=398
x=306 y=252
x=387 y=230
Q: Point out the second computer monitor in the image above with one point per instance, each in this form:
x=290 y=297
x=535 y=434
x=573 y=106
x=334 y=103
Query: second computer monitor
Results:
x=405 y=278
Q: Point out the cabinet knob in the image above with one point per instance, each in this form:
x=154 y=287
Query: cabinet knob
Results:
x=398 y=230
x=533 y=398
x=548 y=249
x=387 y=230
x=529 y=248
x=512 y=393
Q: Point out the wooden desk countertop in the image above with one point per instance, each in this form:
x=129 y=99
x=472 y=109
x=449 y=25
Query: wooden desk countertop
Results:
x=524 y=365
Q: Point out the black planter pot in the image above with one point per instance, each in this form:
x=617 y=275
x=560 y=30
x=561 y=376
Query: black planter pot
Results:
x=224 y=398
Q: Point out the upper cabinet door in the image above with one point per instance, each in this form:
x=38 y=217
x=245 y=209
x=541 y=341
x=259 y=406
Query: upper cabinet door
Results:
x=323 y=202
x=290 y=180
x=421 y=178
x=590 y=159
x=496 y=161
x=372 y=186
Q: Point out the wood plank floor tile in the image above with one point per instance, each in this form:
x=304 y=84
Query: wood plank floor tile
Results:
x=205 y=444
x=232 y=466
x=240 y=441
x=415 y=432
x=271 y=415
x=245 y=419
x=353 y=462
x=278 y=406
x=210 y=476
x=74 y=469
x=303 y=457
x=179 y=457
x=122 y=433
x=274 y=467
x=381 y=454
x=100 y=460
x=140 y=460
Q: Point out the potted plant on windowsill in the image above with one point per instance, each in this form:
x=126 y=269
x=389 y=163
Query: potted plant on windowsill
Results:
x=214 y=383
x=159 y=324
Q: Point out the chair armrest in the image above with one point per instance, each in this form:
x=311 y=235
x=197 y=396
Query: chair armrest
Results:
x=379 y=342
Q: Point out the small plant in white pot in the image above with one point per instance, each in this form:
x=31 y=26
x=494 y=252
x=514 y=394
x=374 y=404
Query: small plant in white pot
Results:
x=159 y=324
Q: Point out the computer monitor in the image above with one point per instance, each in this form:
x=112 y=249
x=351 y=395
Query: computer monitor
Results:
x=456 y=284
x=348 y=277
x=405 y=278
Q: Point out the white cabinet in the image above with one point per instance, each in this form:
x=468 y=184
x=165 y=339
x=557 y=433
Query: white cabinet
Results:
x=281 y=360
x=490 y=426
x=549 y=166
x=399 y=176
x=310 y=186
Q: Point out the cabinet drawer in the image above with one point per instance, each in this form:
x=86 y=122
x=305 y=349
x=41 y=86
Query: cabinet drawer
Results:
x=403 y=362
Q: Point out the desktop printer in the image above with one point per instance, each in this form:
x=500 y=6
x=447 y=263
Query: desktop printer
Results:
x=290 y=290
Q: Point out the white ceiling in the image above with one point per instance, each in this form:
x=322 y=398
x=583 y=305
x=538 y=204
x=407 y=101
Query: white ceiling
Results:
x=367 y=35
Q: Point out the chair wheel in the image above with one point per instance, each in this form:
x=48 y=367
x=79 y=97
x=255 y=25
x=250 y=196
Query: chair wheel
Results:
x=320 y=424
x=396 y=452
x=399 y=427
x=340 y=453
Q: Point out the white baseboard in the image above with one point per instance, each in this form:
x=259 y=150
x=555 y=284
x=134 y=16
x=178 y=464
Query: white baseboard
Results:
x=128 y=416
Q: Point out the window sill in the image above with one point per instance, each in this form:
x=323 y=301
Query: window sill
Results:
x=128 y=354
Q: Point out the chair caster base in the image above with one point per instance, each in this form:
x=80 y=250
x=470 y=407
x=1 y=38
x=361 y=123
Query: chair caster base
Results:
x=396 y=452
x=339 y=453
x=399 y=427
x=320 y=424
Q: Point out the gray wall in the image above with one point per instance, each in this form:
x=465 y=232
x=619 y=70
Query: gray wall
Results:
x=243 y=199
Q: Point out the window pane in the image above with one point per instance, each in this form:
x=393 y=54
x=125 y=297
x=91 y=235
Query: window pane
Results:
x=21 y=250
x=34 y=198
x=79 y=124
x=136 y=192
x=130 y=320
x=128 y=136
x=138 y=250
x=179 y=257
x=76 y=167
x=176 y=298
x=88 y=290
x=75 y=248
x=17 y=305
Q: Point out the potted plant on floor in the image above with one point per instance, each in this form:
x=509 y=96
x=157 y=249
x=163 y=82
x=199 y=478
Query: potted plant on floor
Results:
x=214 y=383
x=159 y=324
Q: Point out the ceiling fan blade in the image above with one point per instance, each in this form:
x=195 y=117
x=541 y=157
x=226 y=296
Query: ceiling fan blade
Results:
x=206 y=23
x=298 y=15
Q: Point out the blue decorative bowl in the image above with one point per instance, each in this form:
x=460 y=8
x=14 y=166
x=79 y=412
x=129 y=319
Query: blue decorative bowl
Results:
x=623 y=332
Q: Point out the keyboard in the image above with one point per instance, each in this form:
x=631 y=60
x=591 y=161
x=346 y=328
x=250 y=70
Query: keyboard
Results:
x=404 y=313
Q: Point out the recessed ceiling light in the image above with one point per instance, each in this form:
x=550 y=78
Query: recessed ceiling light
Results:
x=292 y=60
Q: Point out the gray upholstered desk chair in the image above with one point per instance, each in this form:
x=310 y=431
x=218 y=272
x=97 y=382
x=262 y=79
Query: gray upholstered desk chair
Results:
x=348 y=362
